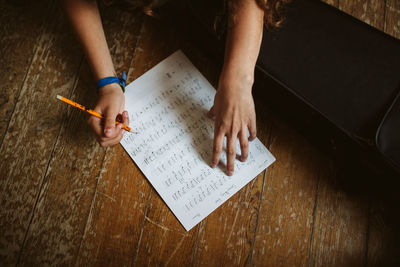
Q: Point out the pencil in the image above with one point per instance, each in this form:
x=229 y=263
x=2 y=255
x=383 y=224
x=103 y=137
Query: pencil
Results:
x=90 y=111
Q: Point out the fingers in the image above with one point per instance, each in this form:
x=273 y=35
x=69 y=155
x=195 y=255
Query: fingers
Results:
x=95 y=124
x=234 y=113
x=231 y=147
x=231 y=153
x=219 y=135
x=111 y=105
x=106 y=142
x=217 y=147
x=125 y=118
x=110 y=129
x=244 y=144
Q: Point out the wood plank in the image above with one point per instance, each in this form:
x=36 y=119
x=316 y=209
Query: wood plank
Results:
x=18 y=41
x=334 y=3
x=75 y=170
x=368 y=11
x=392 y=22
x=226 y=237
x=286 y=213
x=341 y=220
x=118 y=208
x=33 y=129
x=340 y=228
x=68 y=187
x=383 y=230
x=116 y=215
x=163 y=240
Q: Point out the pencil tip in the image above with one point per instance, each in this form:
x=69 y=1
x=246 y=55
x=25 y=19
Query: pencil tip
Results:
x=59 y=97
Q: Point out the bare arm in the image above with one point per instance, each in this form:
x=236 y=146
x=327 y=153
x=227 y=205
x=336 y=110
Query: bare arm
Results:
x=233 y=104
x=244 y=40
x=85 y=20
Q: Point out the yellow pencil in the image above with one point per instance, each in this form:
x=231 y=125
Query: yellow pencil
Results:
x=90 y=111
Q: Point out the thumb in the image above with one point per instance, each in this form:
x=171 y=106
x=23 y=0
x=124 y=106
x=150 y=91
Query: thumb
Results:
x=109 y=122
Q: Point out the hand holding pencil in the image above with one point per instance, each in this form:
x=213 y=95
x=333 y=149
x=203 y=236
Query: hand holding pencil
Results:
x=109 y=128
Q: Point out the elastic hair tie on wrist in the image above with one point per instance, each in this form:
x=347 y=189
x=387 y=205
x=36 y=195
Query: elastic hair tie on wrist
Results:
x=108 y=80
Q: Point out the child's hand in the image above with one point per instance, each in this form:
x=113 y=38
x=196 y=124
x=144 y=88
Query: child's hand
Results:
x=234 y=113
x=110 y=104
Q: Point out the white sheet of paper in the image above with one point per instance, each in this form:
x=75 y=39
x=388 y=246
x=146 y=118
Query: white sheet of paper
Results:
x=173 y=147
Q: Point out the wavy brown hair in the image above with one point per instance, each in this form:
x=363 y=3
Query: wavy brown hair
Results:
x=272 y=11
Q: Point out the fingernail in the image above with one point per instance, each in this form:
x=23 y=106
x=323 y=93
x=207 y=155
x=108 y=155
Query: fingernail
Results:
x=230 y=173
x=213 y=164
x=125 y=114
x=241 y=158
x=107 y=131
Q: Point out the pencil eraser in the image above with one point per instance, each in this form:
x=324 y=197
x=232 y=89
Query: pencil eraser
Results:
x=59 y=97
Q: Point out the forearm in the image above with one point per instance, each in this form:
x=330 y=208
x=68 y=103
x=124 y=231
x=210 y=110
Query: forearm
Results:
x=243 y=41
x=85 y=19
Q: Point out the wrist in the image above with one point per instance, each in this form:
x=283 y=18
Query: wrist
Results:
x=111 y=88
x=236 y=76
x=121 y=81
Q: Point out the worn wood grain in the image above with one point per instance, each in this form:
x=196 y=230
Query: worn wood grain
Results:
x=334 y=3
x=117 y=213
x=33 y=129
x=164 y=242
x=383 y=232
x=368 y=11
x=62 y=211
x=68 y=187
x=226 y=237
x=18 y=41
x=340 y=228
x=392 y=18
x=286 y=213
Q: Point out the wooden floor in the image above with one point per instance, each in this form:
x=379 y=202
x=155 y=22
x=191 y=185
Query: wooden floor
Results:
x=67 y=201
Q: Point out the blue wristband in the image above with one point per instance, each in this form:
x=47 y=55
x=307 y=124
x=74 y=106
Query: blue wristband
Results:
x=107 y=80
